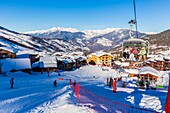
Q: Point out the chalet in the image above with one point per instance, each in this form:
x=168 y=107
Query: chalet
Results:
x=21 y=64
x=65 y=63
x=47 y=62
x=7 y=52
x=33 y=55
x=161 y=63
x=102 y=58
x=146 y=73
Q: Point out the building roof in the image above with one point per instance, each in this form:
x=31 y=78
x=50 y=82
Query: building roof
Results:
x=125 y=64
x=117 y=62
x=100 y=53
x=15 y=64
x=150 y=70
x=46 y=62
x=103 y=53
x=28 y=51
x=133 y=71
x=12 y=50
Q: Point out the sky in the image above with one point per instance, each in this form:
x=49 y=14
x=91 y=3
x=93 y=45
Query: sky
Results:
x=29 y=15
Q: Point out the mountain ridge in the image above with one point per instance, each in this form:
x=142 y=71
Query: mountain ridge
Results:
x=93 y=39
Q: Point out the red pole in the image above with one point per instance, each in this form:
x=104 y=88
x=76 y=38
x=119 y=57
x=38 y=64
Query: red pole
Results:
x=167 y=104
x=78 y=92
x=114 y=86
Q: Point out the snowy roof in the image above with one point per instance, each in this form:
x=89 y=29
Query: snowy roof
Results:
x=49 y=61
x=12 y=50
x=150 y=59
x=67 y=57
x=125 y=64
x=151 y=56
x=160 y=58
x=165 y=52
x=28 y=51
x=77 y=53
x=67 y=61
x=133 y=71
x=100 y=53
x=117 y=62
x=15 y=64
x=103 y=53
x=167 y=57
x=36 y=64
x=150 y=70
x=58 y=53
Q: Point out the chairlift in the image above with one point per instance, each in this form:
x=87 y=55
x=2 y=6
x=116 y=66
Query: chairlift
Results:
x=134 y=43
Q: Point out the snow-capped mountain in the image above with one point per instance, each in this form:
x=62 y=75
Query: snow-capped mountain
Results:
x=18 y=41
x=93 y=39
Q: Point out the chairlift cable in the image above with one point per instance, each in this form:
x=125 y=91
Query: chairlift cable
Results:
x=135 y=18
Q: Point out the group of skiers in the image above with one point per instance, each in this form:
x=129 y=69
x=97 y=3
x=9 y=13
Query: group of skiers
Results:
x=12 y=83
x=147 y=84
x=133 y=54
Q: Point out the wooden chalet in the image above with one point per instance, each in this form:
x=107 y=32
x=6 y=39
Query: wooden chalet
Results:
x=6 y=52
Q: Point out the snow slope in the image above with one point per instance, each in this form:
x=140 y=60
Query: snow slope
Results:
x=20 y=42
x=35 y=93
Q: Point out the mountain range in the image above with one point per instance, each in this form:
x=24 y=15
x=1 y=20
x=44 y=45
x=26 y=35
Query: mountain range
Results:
x=70 y=39
x=93 y=39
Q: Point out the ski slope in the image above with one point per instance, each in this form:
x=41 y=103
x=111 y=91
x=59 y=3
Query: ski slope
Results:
x=35 y=93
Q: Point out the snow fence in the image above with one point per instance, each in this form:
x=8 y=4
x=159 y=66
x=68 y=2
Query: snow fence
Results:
x=102 y=105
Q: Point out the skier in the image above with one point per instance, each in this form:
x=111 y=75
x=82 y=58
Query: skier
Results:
x=74 y=83
x=48 y=71
x=131 y=57
x=58 y=74
x=147 y=84
x=42 y=71
x=12 y=82
x=126 y=53
x=55 y=83
x=110 y=82
x=143 y=54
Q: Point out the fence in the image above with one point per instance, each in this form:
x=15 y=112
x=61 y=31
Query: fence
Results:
x=103 y=105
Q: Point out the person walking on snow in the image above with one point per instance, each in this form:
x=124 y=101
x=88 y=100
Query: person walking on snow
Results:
x=12 y=82
x=48 y=71
x=55 y=83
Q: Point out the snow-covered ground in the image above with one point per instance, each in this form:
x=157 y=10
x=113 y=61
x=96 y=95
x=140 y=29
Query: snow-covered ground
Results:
x=35 y=93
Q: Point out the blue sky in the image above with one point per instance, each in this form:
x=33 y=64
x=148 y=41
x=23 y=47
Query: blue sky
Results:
x=28 y=15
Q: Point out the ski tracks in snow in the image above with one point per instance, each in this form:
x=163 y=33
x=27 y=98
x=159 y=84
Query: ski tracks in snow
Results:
x=65 y=103
x=24 y=103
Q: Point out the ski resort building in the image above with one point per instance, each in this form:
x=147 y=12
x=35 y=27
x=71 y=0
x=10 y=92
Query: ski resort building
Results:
x=47 y=62
x=102 y=58
x=161 y=63
x=146 y=73
x=19 y=64
x=6 y=52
